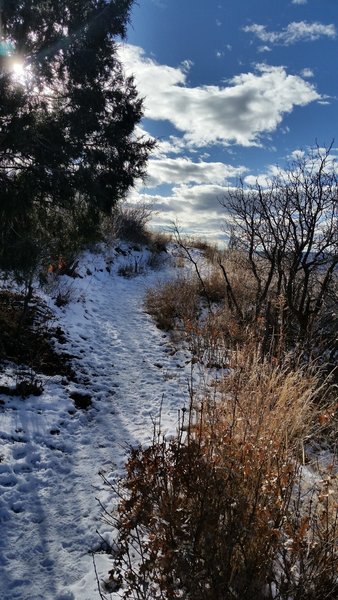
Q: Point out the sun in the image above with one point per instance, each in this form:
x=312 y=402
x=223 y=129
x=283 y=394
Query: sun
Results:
x=18 y=70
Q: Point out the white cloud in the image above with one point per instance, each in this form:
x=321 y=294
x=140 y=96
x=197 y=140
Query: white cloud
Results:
x=186 y=65
x=184 y=170
x=249 y=105
x=202 y=198
x=263 y=179
x=297 y=154
x=299 y=1
x=312 y=156
x=196 y=208
x=307 y=73
x=173 y=145
x=300 y=31
x=264 y=49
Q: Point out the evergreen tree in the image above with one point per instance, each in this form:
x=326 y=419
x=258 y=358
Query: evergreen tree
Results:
x=67 y=112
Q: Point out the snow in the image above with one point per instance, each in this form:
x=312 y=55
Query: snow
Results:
x=52 y=453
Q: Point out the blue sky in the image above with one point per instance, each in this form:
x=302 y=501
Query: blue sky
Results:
x=232 y=88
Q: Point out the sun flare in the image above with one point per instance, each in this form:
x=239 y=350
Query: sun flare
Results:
x=18 y=69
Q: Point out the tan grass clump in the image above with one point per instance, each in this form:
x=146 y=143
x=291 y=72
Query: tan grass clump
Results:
x=172 y=302
x=214 y=286
x=268 y=400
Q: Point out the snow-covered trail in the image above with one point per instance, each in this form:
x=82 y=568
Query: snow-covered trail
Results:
x=130 y=358
x=52 y=453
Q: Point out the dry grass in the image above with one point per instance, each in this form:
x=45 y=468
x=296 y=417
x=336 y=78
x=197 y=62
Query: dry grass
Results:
x=199 y=314
x=180 y=307
x=214 y=286
x=210 y=250
x=222 y=511
x=173 y=303
x=272 y=401
x=159 y=240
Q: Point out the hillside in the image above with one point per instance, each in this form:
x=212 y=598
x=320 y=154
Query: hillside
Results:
x=149 y=461
x=53 y=446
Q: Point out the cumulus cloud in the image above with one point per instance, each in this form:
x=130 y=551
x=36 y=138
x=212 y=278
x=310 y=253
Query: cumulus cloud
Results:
x=165 y=147
x=196 y=208
x=300 y=31
x=263 y=179
x=247 y=106
x=299 y=1
x=297 y=154
x=202 y=198
x=184 y=170
x=183 y=198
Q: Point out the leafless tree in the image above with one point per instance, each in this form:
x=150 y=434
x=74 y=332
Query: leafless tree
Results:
x=287 y=228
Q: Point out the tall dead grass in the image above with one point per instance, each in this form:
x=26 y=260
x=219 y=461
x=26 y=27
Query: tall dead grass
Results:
x=198 y=314
x=173 y=303
x=225 y=510
x=179 y=306
x=272 y=400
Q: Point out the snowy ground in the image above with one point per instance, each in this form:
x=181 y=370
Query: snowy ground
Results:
x=52 y=453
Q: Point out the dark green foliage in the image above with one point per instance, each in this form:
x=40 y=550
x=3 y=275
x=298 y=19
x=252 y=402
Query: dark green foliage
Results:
x=67 y=128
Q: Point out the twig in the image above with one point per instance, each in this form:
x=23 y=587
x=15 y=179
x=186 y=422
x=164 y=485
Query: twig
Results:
x=97 y=579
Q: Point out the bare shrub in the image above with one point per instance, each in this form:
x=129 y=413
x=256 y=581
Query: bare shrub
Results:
x=158 y=241
x=209 y=339
x=156 y=260
x=307 y=563
x=60 y=289
x=226 y=277
x=130 y=223
x=222 y=511
x=243 y=285
x=30 y=342
x=287 y=229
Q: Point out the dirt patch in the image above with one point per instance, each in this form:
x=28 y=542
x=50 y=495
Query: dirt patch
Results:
x=81 y=401
x=29 y=339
